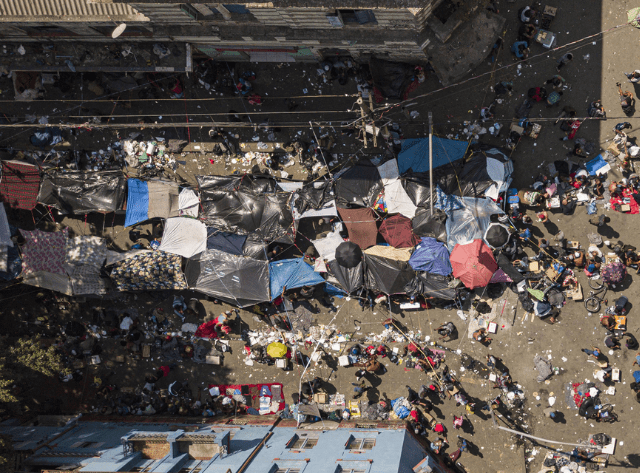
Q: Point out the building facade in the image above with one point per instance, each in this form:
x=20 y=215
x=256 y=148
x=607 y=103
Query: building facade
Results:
x=453 y=35
x=92 y=447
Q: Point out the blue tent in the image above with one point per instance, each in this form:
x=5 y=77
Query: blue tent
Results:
x=225 y=241
x=431 y=256
x=291 y=273
x=415 y=153
x=137 y=202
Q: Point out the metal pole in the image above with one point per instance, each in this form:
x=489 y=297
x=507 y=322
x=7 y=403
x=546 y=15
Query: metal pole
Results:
x=431 y=162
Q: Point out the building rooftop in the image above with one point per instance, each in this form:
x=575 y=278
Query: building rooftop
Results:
x=66 y=10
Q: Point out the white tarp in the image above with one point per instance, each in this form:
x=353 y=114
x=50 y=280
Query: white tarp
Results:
x=497 y=171
x=326 y=246
x=188 y=202
x=471 y=222
x=184 y=236
x=396 y=198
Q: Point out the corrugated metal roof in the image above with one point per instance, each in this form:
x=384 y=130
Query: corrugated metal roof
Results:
x=66 y=10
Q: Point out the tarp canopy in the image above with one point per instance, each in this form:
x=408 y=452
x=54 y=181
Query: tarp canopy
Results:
x=81 y=192
x=417 y=184
x=414 y=154
x=487 y=173
x=471 y=222
x=44 y=251
x=391 y=78
x=431 y=256
x=149 y=271
x=430 y=285
x=431 y=225
x=258 y=184
x=19 y=184
x=245 y=211
x=395 y=195
x=184 y=236
x=224 y=241
x=137 y=202
x=326 y=247
x=473 y=264
x=358 y=186
x=361 y=225
x=151 y=199
x=350 y=279
x=397 y=231
x=314 y=196
x=291 y=274
x=384 y=274
x=234 y=279
x=85 y=256
x=188 y=202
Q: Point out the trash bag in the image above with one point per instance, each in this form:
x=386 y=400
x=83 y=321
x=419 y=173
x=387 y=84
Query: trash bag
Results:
x=400 y=407
x=544 y=368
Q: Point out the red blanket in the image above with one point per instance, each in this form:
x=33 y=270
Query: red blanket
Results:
x=253 y=396
x=206 y=330
x=635 y=209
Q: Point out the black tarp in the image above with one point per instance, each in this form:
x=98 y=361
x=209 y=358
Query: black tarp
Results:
x=386 y=275
x=350 y=279
x=391 y=78
x=234 y=279
x=247 y=211
x=358 y=186
x=426 y=224
x=313 y=196
x=417 y=184
x=81 y=192
x=256 y=183
x=430 y=285
x=224 y=241
x=509 y=269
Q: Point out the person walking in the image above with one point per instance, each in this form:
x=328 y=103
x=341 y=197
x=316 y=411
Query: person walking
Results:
x=627 y=102
x=564 y=60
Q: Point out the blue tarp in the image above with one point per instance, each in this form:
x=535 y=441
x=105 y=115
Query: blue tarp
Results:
x=14 y=264
x=595 y=164
x=447 y=203
x=291 y=273
x=137 y=202
x=225 y=241
x=332 y=290
x=415 y=153
x=431 y=256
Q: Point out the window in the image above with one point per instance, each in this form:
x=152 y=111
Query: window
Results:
x=240 y=9
x=288 y=470
x=131 y=31
x=199 y=12
x=361 y=443
x=47 y=31
x=361 y=17
x=303 y=443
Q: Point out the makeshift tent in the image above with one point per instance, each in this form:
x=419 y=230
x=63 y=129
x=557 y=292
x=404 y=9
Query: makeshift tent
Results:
x=497 y=235
x=430 y=285
x=431 y=256
x=487 y=173
x=234 y=279
x=350 y=279
x=184 y=236
x=258 y=184
x=44 y=251
x=188 y=202
x=510 y=270
x=414 y=154
x=348 y=254
x=597 y=166
x=398 y=233
x=291 y=274
x=225 y=241
x=149 y=271
x=85 y=256
x=395 y=195
x=326 y=247
x=19 y=184
x=473 y=264
x=391 y=80
x=314 y=197
x=387 y=269
x=81 y=192
x=358 y=186
x=418 y=188
x=254 y=248
x=151 y=199
x=430 y=225
x=245 y=211
x=471 y=222
x=361 y=225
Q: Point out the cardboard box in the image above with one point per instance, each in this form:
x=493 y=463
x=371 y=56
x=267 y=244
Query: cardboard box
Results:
x=534 y=266
x=281 y=363
x=213 y=359
x=493 y=327
x=320 y=398
x=343 y=360
x=120 y=359
x=625 y=208
x=146 y=351
x=615 y=375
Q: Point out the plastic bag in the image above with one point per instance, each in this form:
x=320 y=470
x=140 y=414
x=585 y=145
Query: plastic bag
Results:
x=591 y=208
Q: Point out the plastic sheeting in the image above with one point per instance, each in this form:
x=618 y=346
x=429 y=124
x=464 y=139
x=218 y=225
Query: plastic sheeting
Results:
x=431 y=256
x=361 y=225
x=358 y=186
x=414 y=154
x=246 y=210
x=247 y=182
x=389 y=276
x=314 y=196
x=350 y=279
x=430 y=285
x=81 y=192
x=256 y=249
x=225 y=241
x=184 y=236
x=398 y=233
x=470 y=223
x=509 y=269
x=291 y=274
x=137 y=202
x=188 y=202
x=428 y=225
x=234 y=279
x=164 y=199
x=395 y=195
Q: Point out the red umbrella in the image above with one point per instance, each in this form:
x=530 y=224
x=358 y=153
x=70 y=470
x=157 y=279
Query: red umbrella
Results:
x=473 y=264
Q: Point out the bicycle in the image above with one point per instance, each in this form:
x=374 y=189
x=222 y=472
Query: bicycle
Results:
x=597 y=296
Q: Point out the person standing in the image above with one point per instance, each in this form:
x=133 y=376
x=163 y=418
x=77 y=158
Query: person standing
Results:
x=564 y=60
